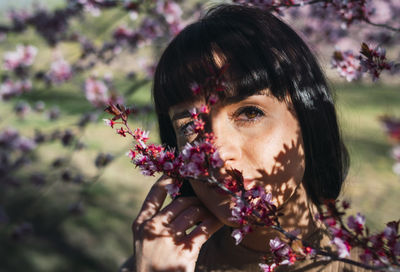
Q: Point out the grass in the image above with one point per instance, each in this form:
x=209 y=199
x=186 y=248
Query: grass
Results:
x=371 y=185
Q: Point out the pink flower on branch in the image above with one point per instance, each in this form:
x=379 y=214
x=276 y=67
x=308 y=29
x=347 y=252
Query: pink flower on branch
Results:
x=347 y=64
x=109 y=122
x=267 y=268
x=60 y=71
x=343 y=247
x=356 y=223
x=24 y=56
x=96 y=92
x=10 y=89
x=374 y=61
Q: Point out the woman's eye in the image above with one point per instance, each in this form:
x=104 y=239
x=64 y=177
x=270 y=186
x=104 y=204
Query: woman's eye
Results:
x=186 y=129
x=248 y=113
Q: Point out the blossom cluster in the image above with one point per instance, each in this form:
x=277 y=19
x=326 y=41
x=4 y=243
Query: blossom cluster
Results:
x=10 y=88
x=349 y=11
x=283 y=254
x=23 y=56
x=254 y=206
x=347 y=64
x=352 y=66
x=374 y=61
x=99 y=92
x=196 y=160
x=380 y=249
x=60 y=71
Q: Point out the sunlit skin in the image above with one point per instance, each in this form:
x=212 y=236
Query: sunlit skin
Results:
x=260 y=136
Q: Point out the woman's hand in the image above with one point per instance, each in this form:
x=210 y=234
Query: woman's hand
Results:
x=160 y=240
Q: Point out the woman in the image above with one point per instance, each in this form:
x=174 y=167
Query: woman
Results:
x=275 y=121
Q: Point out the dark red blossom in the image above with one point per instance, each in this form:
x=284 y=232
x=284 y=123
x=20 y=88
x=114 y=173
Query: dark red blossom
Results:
x=121 y=131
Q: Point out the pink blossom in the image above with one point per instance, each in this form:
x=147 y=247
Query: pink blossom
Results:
x=374 y=61
x=168 y=166
x=256 y=192
x=343 y=247
x=131 y=154
x=347 y=64
x=267 y=268
x=121 y=131
x=390 y=232
x=278 y=247
x=109 y=122
x=216 y=161
x=24 y=56
x=193 y=169
x=91 y=6
x=171 y=11
x=7 y=90
x=60 y=71
x=173 y=189
x=96 y=92
x=204 y=109
x=238 y=234
x=195 y=88
x=356 y=223
x=213 y=99
x=198 y=158
x=141 y=136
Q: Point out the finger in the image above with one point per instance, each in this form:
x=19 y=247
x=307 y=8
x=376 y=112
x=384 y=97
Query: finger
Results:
x=188 y=218
x=203 y=231
x=154 y=200
x=173 y=209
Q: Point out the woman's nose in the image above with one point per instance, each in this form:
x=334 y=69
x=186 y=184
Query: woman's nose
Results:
x=227 y=141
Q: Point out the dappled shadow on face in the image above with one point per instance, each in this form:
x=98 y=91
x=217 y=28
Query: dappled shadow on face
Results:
x=284 y=181
x=286 y=173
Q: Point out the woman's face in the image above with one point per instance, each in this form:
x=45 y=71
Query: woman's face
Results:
x=258 y=135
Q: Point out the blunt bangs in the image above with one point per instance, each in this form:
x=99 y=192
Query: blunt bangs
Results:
x=259 y=52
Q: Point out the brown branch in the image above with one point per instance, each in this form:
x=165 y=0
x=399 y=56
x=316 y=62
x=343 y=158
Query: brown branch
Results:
x=388 y=27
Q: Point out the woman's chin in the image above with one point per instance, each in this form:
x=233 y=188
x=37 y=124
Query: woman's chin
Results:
x=217 y=203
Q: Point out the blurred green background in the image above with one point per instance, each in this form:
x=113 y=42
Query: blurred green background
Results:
x=100 y=238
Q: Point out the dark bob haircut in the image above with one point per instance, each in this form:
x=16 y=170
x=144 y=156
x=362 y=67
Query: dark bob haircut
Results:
x=262 y=53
